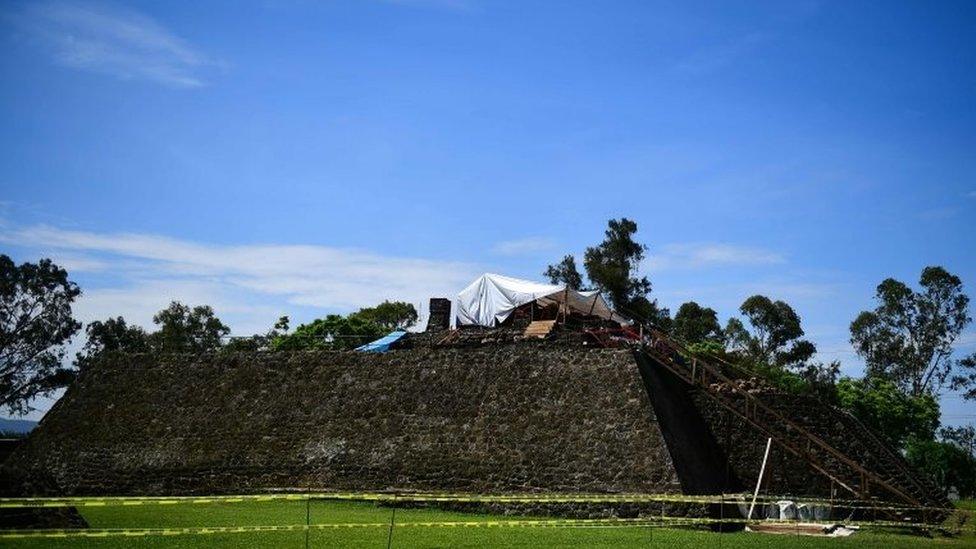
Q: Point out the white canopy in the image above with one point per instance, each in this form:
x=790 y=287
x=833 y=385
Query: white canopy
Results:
x=491 y=298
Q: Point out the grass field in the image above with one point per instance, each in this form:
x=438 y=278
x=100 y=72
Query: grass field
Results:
x=969 y=504
x=285 y=513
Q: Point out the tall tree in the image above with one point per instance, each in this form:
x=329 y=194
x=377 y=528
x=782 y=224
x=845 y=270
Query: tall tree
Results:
x=908 y=338
x=613 y=266
x=882 y=406
x=949 y=465
x=391 y=315
x=565 y=272
x=696 y=324
x=186 y=329
x=35 y=323
x=963 y=437
x=964 y=378
x=112 y=335
x=331 y=332
x=776 y=332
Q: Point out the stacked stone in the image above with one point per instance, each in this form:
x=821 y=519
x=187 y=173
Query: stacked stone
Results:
x=485 y=419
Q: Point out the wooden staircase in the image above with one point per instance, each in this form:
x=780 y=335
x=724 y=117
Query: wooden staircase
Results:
x=867 y=468
x=539 y=328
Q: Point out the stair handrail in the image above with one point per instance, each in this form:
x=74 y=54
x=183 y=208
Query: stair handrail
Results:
x=866 y=474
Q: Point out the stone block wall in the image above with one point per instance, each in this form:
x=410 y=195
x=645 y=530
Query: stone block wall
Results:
x=497 y=418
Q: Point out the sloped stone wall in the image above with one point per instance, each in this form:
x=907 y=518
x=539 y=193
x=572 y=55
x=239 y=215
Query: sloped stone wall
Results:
x=520 y=417
x=744 y=446
x=786 y=474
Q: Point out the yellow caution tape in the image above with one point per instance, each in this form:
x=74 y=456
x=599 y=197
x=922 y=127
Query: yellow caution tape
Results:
x=431 y=497
x=526 y=523
x=354 y=496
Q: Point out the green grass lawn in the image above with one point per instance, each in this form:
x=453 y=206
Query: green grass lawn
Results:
x=285 y=513
x=969 y=504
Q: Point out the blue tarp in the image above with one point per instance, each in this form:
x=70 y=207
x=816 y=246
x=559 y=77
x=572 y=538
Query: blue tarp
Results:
x=382 y=344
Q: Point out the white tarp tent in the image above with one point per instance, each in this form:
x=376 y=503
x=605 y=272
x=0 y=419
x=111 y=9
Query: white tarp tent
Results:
x=491 y=298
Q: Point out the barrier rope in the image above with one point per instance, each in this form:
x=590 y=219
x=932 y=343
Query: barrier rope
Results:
x=656 y=521
x=441 y=497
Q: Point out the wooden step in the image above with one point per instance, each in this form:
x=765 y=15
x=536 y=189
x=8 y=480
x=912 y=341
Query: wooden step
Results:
x=539 y=328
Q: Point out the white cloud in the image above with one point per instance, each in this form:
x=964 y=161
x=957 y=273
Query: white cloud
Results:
x=697 y=256
x=139 y=301
x=121 y=43
x=524 y=246
x=74 y=263
x=249 y=284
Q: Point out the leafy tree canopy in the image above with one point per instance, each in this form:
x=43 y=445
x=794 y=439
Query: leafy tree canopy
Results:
x=565 y=272
x=391 y=315
x=613 y=267
x=696 y=324
x=908 y=337
x=963 y=437
x=881 y=405
x=259 y=342
x=946 y=463
x=331 y=332
x=964 y=378
x=35 y=323
x=188 y=329
x=112 y=335
x=775 y=337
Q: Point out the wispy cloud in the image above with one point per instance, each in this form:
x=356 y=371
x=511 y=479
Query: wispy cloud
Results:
x=251 y=281
x=524 y=246
x=121 y=43
x=697 y=256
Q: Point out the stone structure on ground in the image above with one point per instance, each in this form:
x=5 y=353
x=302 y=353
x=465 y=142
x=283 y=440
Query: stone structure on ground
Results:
x=521 y=417
x=482 y=416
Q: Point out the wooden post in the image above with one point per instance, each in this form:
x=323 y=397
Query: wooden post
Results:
x=566 y=304
x=762 y=471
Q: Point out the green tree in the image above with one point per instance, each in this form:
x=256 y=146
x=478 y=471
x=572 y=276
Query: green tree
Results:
x=776 y=332
x=737 y=337
x=35 y=323
x=259 y=342
x=565 y=272
x=908 y=337
x=391 y=315
x=946 y=463
x=964 y=379
x=774 y=348
x=696 y=324
x=881 y=405
x=112 y=335
x=184 y=329
x=331 y=332
x=613 y=266
x=963 y=437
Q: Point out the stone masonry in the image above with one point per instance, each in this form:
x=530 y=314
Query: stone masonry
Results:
x=517 y=417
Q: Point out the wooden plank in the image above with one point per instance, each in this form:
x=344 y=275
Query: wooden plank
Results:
x=539 y=328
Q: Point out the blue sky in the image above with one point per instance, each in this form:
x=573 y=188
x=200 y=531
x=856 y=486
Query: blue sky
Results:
x=308 y=157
